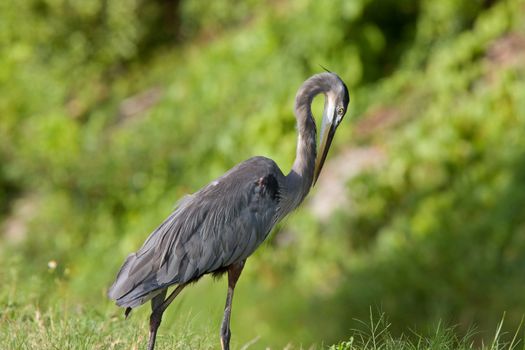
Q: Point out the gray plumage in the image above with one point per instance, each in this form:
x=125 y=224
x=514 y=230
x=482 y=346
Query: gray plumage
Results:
x=217 y=228
x=222 y=223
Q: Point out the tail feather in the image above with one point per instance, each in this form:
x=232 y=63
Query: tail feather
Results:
x=136 y=282
x=140 y=277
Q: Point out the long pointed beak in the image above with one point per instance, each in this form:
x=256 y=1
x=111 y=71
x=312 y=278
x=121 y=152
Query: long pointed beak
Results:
x=327 y=134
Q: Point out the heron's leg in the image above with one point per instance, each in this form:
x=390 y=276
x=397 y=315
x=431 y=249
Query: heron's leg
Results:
x=155 y=318
x=234 y=271
x=158 y=305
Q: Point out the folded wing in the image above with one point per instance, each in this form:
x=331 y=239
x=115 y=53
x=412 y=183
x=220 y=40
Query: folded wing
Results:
x=221 y=224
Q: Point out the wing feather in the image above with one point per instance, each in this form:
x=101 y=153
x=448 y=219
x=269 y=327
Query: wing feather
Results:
x=221 y=224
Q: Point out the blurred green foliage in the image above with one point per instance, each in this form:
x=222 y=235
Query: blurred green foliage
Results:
x=111 y=111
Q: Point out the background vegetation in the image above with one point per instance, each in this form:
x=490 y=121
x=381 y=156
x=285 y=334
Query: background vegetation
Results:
x=112 y=110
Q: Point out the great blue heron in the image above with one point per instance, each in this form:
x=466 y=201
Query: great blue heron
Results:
x=216 y=229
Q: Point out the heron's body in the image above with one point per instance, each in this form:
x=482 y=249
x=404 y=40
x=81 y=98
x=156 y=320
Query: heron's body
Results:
x=217 y=228
x=219 y=225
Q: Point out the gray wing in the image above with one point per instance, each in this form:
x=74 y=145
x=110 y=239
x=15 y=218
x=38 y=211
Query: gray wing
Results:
x=221 y=224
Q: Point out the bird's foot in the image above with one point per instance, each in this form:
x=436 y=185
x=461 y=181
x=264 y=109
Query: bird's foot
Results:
x=225 y=338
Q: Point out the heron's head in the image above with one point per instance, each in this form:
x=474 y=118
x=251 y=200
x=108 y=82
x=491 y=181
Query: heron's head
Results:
x=335 y=106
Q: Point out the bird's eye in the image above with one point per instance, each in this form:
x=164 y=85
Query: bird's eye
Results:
x=340 y=111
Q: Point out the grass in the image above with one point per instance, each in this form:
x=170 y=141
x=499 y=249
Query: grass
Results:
x=375 y=335
x=27 y=327
x=31 y=328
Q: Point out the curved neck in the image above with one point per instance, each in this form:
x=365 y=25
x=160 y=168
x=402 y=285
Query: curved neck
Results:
x=306 y=152
x=299 y=180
